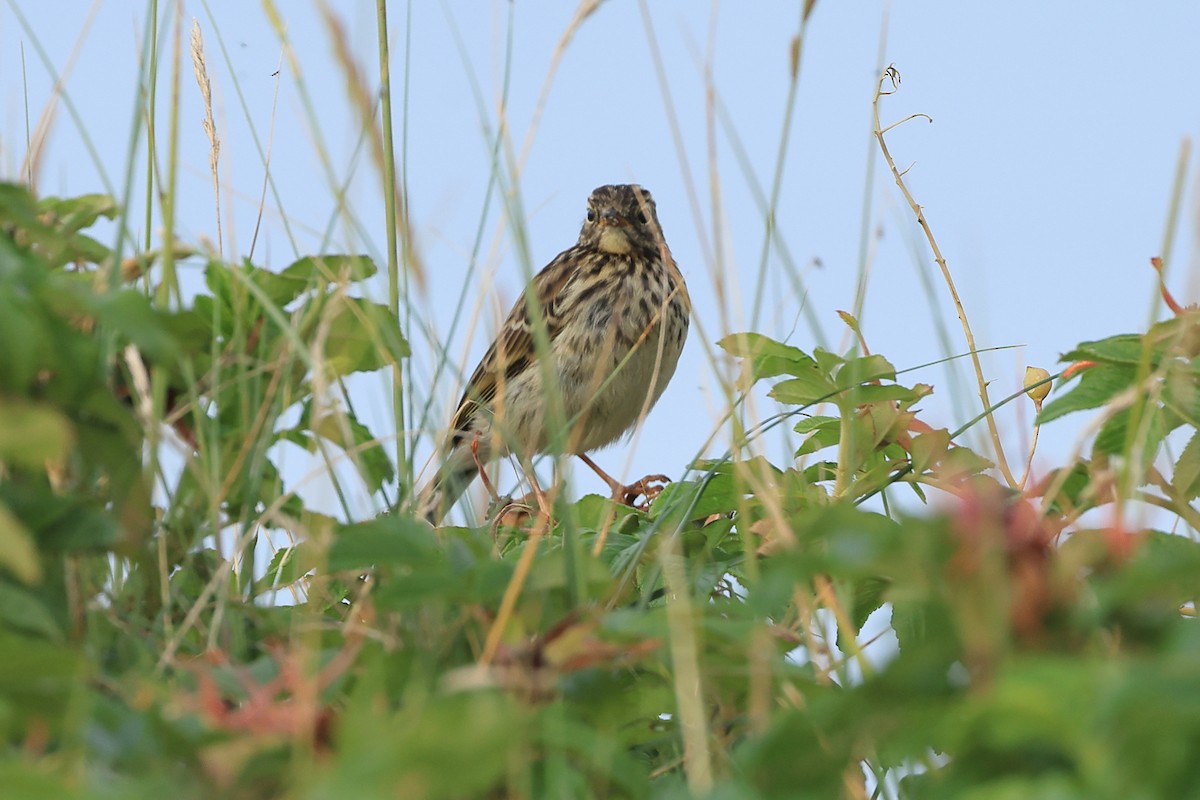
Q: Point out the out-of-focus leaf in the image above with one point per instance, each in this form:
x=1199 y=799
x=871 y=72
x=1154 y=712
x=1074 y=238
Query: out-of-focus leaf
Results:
x=19 y=322
x=28 y=780
x=17 y=207
x=84 y=528
x=407 y=753
x=17 y=551
x=31 y=434
x=129 y=314
x=383 y=541
x=330 y=268
x=287 y=566
x=368 y=449
x=363 y=336
x=20 y=610
x=38 y=676
x=77 y=213
x=1113 y=436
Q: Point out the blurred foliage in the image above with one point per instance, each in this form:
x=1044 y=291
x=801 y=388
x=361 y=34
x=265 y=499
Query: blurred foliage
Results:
x=1013 y=648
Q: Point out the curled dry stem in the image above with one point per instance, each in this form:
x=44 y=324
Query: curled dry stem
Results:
x=892 y=76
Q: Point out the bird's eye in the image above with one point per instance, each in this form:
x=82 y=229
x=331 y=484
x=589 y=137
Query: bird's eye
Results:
x=591 y=215
x=641 y=217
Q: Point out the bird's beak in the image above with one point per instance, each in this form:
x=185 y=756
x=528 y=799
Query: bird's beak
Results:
x=609 y=218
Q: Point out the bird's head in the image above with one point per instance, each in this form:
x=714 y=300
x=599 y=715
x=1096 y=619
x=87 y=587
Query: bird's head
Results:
x=621 y=219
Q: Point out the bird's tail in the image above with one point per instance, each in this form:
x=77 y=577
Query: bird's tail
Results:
x=436 y=498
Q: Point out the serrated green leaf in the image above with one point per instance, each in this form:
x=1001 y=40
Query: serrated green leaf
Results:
x=815 y=422
x=885 y=393
x=819 y=439
x=767 y=357
x=1122 y=349
x=363 y=336
x=806 y=390
x=862 y=370
x=1185 y=478
x=1181 y=394
x=1097 y=385
x=928 y=449
x=368 y=449
x=288 y=565
x=697 y=500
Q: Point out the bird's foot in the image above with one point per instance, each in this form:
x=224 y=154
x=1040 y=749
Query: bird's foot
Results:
x=519 y=512
x=648 y=487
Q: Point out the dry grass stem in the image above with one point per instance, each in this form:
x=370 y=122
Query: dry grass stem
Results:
x=200 y=69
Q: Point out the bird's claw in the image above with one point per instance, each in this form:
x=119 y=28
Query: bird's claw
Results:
x=649 y=487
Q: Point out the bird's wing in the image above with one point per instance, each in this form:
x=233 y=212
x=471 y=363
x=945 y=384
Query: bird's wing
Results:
x=514 y=349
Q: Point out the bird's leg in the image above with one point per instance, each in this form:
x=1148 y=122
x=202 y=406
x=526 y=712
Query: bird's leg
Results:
x=483 y=476
x=542 y=501
x=515 y=512
x=650 y=486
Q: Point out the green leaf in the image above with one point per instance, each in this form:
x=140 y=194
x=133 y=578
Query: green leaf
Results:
x=697 y=499
x=826 y=435
x=22 y=611
x=1181 y=394
x=129 y=313
x=885 y=393
x=1186 y=476
x=20 y=321
x=82 y=528
x=17 y=551
x=1113 y=436
x=383 y=541
x=962 y=461
x=309 y=273
x=363 y=336
x=1097 y=386
x=806 y=390
x=1123 y=349
x=330 y=268
x=858 y=371
x=927 y=449
x=31 y=435
x=288 y=565
x=77 y=213
x=815 y=422
x=17 y=207
x=767 y=357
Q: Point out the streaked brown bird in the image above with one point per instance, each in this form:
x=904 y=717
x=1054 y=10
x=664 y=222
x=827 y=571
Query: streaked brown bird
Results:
x=615 y=311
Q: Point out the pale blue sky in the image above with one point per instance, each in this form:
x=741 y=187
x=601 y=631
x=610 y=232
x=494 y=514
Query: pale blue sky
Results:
x=1045 y=175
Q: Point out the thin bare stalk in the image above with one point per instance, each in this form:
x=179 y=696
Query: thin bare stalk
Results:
x=391 y=225
x=890 y=74
x=685 y=663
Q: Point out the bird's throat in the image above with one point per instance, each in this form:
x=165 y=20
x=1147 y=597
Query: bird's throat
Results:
x=615 y=240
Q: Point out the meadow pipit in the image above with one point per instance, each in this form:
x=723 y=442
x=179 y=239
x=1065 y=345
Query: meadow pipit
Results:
x=615 y=314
